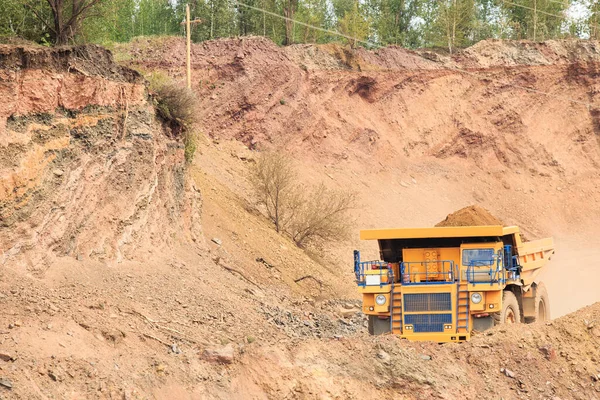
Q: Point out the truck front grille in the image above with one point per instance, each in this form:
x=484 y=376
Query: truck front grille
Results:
x=427 y=322
x=420 y=302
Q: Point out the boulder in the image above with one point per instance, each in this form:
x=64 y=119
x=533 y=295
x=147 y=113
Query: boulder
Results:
x=222 y=354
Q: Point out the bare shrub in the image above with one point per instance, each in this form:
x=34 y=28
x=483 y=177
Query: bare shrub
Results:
x=322 y=215
x=306 y=215
x=273 y=178
x=176 y=105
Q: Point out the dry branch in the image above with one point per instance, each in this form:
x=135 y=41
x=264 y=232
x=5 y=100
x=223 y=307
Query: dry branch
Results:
x=309 y=277
x=181 y=336
x=157 y=339
x=240 y=273
x=134 y=312
x=172 y=332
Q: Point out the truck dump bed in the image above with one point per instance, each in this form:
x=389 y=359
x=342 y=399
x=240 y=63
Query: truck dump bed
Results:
x=532 y=255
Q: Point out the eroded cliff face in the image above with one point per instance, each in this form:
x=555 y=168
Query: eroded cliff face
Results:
x=86 y=169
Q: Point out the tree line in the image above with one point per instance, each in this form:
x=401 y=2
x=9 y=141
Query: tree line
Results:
x=446 y=24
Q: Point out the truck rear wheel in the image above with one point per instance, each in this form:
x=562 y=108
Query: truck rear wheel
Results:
x=510 y=314
x=378 y=326
x=542 y=304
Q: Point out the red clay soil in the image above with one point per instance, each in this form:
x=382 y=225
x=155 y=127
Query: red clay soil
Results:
x=127 y=274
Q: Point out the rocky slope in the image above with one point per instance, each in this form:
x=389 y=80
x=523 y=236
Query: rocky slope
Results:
x=86 y=170
x=511 y=126
x=126 y=274
x=511 y=133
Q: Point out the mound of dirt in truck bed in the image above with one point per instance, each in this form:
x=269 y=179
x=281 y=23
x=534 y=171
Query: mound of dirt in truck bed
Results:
x=470 y=216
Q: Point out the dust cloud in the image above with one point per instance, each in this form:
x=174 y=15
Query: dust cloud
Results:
x=572 y=276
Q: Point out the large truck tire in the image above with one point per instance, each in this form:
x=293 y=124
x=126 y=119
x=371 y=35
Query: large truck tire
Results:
x=510 y=313
x=378 y=326
x=542 y=305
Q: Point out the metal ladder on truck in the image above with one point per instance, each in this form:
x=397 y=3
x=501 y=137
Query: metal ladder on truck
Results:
x=396 y=309
x=462 y=307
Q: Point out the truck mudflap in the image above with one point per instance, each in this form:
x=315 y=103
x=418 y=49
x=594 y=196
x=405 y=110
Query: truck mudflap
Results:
x=481 y=324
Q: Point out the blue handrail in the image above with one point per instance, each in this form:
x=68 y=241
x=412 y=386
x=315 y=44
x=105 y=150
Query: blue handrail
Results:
x=478 y=274
x=511 y=263
x=356 y=263
x=384 y=271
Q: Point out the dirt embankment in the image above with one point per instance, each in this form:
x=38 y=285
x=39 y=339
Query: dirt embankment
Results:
x=86 y=170
x=398 y=112
x=89 y=178
x=416 y=138
x=108 y=286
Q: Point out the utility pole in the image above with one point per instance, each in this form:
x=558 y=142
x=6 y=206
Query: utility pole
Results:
x=188 y=59
x=535 y=20
x=188 y=44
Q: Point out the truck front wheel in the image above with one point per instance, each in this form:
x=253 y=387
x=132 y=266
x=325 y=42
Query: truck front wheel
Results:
x=378 y=326
x=510 y=314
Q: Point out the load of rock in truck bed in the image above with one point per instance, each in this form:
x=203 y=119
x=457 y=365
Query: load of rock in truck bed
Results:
x=470 y=216
x=473 y=216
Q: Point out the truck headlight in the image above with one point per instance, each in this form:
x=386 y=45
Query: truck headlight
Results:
x=380 y=299
x=476 y=298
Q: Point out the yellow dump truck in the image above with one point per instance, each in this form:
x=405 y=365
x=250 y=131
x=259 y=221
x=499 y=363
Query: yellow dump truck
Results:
x=442 y=284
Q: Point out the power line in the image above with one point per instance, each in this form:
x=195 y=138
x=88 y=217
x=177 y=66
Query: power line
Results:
x=534 y=9
x=454 y=69
x=306 y=25
x=544 y=12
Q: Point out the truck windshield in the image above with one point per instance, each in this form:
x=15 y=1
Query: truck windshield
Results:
x=476 y=257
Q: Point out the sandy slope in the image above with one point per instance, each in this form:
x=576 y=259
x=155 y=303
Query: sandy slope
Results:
x=414 y=139
x=417 y=140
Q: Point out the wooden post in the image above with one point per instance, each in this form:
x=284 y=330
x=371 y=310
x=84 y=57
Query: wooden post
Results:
x=188 y=47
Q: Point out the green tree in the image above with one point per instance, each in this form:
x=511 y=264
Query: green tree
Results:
x=315 y=13
x=536 y=19
x=156 y=17
x=18 y=20
x=269 y=25
x=65 y=19
x=453 y=23
x=490 y=21
x=115 y=22
x=289 y=8
x=593 y=20
x=218 y=18
x=354 y=25
x=392 y=21
x=341 y=8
